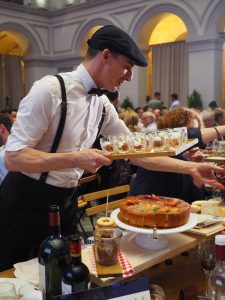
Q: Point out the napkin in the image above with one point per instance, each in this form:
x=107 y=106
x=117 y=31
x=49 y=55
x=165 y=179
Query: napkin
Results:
x=28 y=270
x=127 y=269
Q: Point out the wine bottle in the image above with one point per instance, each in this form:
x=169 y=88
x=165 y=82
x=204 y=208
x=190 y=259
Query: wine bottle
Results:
x=216 y=284
x=53 y=257
x=76 y=277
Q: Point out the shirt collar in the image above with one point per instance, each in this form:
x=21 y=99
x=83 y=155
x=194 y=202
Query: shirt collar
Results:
x=85 y=78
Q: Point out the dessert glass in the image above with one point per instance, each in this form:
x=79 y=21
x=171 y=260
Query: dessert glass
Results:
x=138 y=142
x=122 y=143
x=107 y=245
x=160 y=140
x=175 y=138
x=108 y=144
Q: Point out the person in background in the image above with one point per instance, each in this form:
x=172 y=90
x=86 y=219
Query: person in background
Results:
x=148 y=119
x=131 y=119
x=157 y=113
x=139 y=110
x=27 y=191
x=213 y=105
x=113 y=98
x=219 y=115
x=175 y=102
x=154 y=103
x=208 y=118
x=5 y=128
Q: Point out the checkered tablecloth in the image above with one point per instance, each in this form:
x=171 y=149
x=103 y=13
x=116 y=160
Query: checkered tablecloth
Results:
x=127 y=268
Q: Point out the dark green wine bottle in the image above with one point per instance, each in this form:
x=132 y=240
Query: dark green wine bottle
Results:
x=53 y=257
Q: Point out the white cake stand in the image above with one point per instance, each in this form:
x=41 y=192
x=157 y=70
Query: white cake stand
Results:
x=153 y=238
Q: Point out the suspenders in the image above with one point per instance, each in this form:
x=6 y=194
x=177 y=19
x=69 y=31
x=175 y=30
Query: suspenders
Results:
x=62 y=120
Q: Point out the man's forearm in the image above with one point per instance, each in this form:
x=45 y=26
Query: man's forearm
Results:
x=166 y=164
x=30 y=160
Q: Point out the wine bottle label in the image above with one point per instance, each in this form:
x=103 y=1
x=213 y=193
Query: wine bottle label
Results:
x=42 y=279
x=66 y=289
x=77 y=287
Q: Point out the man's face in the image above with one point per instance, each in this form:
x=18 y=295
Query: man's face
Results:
x=117 y=69
x=146 y=121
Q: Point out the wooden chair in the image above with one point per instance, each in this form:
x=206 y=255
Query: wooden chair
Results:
x=86 y=200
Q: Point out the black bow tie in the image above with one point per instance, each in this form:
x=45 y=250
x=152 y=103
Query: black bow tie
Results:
x=97 y=91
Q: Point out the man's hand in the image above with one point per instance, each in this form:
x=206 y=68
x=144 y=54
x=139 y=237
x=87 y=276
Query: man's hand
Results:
x=91 y=160
x=204 y=173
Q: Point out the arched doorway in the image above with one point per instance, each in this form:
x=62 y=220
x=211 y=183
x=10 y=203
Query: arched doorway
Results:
x=12 y=81
x=167 y=71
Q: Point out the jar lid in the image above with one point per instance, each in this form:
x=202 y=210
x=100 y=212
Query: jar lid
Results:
x=220 y=239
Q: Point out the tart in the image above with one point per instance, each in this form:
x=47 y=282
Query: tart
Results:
x=151 y=210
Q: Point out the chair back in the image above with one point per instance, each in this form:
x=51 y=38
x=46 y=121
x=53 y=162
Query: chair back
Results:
x=90 y=211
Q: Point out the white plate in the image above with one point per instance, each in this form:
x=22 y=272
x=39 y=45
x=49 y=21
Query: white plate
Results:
x=17 y=282
x=190 y=224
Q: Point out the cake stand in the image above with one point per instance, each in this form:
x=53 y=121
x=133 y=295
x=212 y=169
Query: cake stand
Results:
x=152 y=238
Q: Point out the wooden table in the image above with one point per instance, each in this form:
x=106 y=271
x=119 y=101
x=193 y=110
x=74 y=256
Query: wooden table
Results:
x=183 y=272
x=142 y=259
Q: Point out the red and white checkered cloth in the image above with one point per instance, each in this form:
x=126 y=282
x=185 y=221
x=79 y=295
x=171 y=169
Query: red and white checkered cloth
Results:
x=126 y=266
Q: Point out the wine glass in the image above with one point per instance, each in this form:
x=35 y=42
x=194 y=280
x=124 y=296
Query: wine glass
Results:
x=206 y=253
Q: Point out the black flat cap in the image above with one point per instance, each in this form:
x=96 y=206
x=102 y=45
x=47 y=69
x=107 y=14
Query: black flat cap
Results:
x=118 y=41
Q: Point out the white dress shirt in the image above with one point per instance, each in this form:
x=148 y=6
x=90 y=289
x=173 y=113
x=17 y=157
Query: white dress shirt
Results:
x=38 y=118
x=3 y=170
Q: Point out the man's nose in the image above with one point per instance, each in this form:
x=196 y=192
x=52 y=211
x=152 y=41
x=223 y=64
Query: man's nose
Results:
x=129 y=75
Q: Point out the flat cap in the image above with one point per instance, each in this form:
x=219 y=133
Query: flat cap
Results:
x=118 y=41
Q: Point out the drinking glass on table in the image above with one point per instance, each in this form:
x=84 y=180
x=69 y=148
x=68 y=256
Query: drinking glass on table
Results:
x=7 y=291
x=206 y=253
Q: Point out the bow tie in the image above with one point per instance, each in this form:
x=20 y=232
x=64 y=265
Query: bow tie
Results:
x=97 y=91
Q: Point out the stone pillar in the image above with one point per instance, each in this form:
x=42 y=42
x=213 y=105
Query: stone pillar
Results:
x=205 y=67
x=35 y=69
x=137 y=89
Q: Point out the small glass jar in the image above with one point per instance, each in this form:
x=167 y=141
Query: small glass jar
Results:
x=107 y=245
x=160 y=140
x=108 y=144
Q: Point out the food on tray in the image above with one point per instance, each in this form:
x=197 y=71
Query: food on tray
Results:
x=195 y=209
x=157 y=142
x=104 y=222
x=152 y=210
x=210 y=207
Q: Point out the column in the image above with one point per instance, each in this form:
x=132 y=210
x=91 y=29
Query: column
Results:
x=205 y=67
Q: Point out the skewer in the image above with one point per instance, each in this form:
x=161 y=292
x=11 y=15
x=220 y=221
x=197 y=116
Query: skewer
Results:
x=107 y=202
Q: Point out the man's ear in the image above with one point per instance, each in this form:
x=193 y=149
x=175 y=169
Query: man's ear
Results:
x=2 y=128
x=106 y=54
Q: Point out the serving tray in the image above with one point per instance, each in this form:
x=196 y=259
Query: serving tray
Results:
x=132 y=154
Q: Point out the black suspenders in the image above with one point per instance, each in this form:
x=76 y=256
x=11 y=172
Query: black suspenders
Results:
x=62 y=120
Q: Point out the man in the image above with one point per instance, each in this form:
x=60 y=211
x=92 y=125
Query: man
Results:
x=208 y=118
x=148 y=119
x=219 y=115
x=175 y=102
x=154 y=103
x=5 y=128
x=24 y=198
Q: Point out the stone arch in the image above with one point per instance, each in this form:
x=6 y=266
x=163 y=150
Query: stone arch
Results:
x=33 y=49
x=79 y=36
x=144 y=17
x=213 y=19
